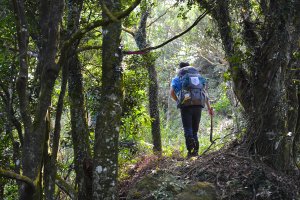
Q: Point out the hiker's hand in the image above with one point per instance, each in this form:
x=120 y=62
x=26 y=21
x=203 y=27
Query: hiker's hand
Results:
x=211 y=111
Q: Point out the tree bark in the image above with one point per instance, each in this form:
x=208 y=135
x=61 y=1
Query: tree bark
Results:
x=260 y=79
x=153 y=105
x=110 y=109
x=149 y=60
x=34 y=138
x=47 y=164
x=51 y=167
x=13 y=175
x=79 y=127
x=80 y=133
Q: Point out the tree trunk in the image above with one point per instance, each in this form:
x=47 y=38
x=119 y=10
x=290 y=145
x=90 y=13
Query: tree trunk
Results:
x=52 y=166
x=260 y=79
x=153 y=104
x=108 y=123
x=149 y=60
x=80 y=133
x=79 y=128
x=47 y=161
x=34 y=138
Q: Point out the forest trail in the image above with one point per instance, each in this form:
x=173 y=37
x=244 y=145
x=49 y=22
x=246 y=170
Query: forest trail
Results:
x=226 y=174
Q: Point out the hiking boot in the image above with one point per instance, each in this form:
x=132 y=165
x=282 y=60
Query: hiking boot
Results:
x=196 y=148
x=192 y=155
x=190 y=144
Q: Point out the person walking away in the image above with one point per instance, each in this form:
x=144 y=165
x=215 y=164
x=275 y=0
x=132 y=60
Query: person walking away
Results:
x=188 y=89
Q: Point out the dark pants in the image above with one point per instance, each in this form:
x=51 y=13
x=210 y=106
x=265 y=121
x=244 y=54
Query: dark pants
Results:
x=191 y=116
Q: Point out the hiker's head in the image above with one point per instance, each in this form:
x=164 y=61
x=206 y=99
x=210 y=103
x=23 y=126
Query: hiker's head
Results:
x=183 y=64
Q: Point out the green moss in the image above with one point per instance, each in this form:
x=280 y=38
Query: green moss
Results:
x=160 y=185
x=199 y=190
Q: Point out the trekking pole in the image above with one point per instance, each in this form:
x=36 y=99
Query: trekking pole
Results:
x=211 y=128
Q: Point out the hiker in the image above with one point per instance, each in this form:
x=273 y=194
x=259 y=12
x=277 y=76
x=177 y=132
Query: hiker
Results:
x=188 y=90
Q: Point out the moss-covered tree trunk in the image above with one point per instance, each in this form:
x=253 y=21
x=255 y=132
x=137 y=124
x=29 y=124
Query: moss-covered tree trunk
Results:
x=149 y=59
x=79 y=127
x=34 y=138
x=153 y=104
x=80 y=133
x=110 y=109
x=47 y=161
x=260 y=73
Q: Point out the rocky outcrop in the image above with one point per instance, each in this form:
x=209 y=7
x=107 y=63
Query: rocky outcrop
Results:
x=197 y=191
x=163 y=185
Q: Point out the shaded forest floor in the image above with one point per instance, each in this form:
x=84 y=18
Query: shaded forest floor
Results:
x=234 y=176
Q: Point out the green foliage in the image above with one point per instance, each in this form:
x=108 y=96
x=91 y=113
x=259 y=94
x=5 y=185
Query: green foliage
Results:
x=136 y=121
x=135 y=124
x=223 y=104
x=135 y=83
x=5 y=151
x=11 y=191
x=227 y=76
x=296 y=55
x=255 y=6
x=172 y=134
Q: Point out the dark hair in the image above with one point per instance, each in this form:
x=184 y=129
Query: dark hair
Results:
x=183 y=64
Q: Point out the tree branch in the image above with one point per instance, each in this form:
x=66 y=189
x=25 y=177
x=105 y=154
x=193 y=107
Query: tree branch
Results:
x=167 y=10
x=13 y=175
x=80 y=33
x=86 y=48
x=131 y=32
x=108 y=13
x=64 y=186
x=214 y=142
x=11 y=116
x=22 y=80
x=145 y=50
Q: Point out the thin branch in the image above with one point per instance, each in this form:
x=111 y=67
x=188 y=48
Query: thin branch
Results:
x=5 y=98
x=13 y=175
x=91 y=75
x=214 y=142
x=145 y=50
x=59 y=110
x=167 y=10
x=127 y=30
x=86 y=48
x=211 y=144
x=11 y=116
x=22 y=80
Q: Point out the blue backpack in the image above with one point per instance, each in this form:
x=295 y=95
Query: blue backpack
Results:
x=192 y=88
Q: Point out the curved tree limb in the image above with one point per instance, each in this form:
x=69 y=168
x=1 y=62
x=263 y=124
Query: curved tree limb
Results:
x=62 y=184
x=109 y=13
x=65 y=187
x=131 y=32
x=80 y=33
x=13 y=175
x=145 y=50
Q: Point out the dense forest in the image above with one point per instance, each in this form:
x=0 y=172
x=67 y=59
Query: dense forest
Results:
x=86 y=111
